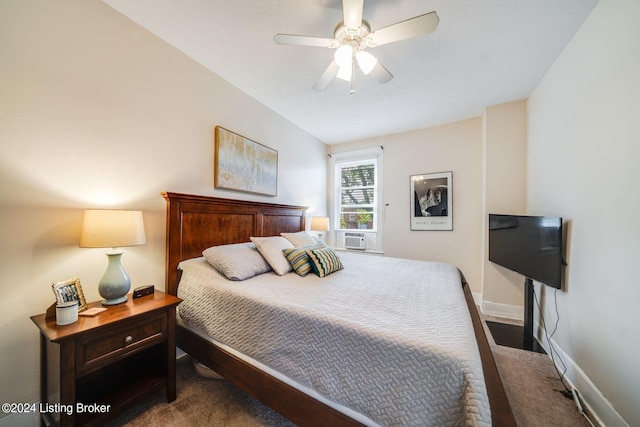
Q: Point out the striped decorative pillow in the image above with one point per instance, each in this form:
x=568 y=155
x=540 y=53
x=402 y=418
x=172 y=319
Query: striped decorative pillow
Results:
x=299 y=259
x=324 y=261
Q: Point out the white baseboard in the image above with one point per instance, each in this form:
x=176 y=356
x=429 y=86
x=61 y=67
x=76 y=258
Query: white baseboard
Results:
x=593 y=401
x=502 y=310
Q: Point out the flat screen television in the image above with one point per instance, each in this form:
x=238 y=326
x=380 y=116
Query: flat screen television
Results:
x=529 y=245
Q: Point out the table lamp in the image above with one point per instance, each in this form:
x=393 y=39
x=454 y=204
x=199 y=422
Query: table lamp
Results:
x=113 y=229
x=320 y=224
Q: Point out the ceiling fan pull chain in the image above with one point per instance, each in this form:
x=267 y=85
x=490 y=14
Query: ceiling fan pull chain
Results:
x=353 y=75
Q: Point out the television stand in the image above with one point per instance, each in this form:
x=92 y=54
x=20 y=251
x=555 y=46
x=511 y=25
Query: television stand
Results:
x=515 y=336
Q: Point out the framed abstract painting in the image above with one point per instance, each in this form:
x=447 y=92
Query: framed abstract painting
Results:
x=244 y=165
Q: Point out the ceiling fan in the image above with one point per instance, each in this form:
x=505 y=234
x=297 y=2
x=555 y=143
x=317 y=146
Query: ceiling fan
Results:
x=352 y=36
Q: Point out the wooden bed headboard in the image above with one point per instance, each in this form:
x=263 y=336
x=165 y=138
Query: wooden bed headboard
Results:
x=195 y=223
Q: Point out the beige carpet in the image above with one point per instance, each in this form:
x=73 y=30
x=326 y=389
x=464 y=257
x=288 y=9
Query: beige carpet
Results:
x=201 y=402
x=529 y=379
x=532 y=385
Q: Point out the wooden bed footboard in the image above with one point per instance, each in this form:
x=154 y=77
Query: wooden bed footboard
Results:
x=501 y=414
x=280 y=396
x=195 y=223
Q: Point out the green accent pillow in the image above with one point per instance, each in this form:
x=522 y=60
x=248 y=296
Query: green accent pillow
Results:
x=299 y=259
x=324 y=261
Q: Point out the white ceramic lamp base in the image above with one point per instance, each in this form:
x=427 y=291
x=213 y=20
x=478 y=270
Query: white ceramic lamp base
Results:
x=115 y=283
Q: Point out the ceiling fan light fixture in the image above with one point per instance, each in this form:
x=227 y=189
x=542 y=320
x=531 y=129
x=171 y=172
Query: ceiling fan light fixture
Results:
x=366 y=61
x=344 y=56
x=345 y=72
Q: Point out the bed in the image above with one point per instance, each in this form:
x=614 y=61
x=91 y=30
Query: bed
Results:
x=195 y=223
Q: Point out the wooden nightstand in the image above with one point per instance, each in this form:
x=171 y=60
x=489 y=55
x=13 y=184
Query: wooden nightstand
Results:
x=93 y=369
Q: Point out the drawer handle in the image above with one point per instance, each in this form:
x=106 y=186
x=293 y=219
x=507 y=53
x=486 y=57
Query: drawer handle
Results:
x=128 y=339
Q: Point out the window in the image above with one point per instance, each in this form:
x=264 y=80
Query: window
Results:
x=356 y=200
x=356 y=195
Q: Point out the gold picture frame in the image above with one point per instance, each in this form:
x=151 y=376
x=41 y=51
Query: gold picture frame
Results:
x=244 y=165
x=70 y=290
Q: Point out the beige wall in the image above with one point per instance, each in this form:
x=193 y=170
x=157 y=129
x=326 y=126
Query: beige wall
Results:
x=504 y=192
x=97 y=112
x=583 y=152
x=455 y=147
x=488 y=159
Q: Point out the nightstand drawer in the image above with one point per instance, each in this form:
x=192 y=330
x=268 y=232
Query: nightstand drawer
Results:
x=97 y=351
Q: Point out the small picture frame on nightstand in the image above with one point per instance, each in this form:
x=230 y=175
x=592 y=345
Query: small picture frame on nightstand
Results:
x=70 y=290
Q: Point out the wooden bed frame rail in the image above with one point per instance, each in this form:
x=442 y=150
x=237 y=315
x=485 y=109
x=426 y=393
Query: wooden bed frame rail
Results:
x=195 y=223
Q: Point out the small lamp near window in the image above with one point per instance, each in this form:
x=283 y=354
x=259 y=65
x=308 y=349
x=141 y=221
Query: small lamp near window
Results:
x=320 y=224
x=113 y=229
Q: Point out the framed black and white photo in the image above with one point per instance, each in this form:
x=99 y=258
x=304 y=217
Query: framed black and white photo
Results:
x=431 y=201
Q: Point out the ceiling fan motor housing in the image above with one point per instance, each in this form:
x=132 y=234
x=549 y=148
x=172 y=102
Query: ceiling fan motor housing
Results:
x=359 y=36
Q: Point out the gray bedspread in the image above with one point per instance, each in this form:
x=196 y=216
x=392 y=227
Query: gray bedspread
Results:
x=389 y=338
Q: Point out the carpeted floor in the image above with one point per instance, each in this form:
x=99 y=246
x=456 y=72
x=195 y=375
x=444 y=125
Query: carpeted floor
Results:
x=201 y=402
x=529 y=379
x=532 y=385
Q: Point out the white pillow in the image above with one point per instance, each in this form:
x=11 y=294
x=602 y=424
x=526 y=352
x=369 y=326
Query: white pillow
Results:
x=271 y=249
x=300 y=239
x=237 y=261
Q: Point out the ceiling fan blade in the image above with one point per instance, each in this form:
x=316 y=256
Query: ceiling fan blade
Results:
x=326 y=77
x=302 y=40
x=381 y=74
x=413 y=27
x=352 y=11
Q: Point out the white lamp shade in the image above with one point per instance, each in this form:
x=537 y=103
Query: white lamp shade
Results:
x=112 y=228
x=344 y=73
x=366 y=61
x=344 y=55
x=320 y=223
x=344 y=59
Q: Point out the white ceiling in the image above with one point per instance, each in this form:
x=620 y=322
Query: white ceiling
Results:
x=483 y=53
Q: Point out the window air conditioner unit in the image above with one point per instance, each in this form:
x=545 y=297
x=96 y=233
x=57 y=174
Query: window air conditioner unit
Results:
x=354 y=241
